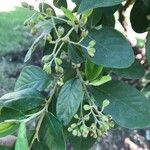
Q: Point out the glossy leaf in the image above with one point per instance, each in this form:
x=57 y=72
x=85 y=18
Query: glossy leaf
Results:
x=69 y=99
x=91 y=4
x=23 y=100
x=128 y=106
x=112 y=48
x=33 y=77
x=22 y=141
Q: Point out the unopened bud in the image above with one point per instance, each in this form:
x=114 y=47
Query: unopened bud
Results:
x=92 y=43
x=25 y=4
x=61 y=30
x=47 y=68
x=49 y=11
x=84 y=34
x=75 y=132
x=58 y=61
x=73 y=125
x=86 y=107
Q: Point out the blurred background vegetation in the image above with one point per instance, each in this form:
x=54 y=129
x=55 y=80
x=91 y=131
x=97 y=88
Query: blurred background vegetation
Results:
x=14 y=42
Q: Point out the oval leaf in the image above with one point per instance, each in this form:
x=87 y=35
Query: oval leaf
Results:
x=69 y=99
x=91 y=4
x=128 y=106
x=51 y=133
x=112 y=48
x=23 y=100
x=33 y=77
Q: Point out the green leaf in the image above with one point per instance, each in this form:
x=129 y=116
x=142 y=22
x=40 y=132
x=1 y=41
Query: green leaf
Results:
x=4 y=148
x=40 y=145
x=112 y=48
x=9 y=113
x=75 y=54
x=69 y=99
x=91 y=4
x=148 y=48
x=135 y=71
x=22 y=141
x=33 y=77
x=128 y=106
x=68 y=14
x=23 y=100
x=92 y=71
x=80 y=143
x=95 y=17
x=7 y=128
x=51 y=133
x=138 y=15
x=101 y=80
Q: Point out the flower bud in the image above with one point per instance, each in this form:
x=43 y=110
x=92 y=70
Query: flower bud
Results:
x=59 y=69
x=49 y=38
x=49 y=11
x=86 y=107
x=25 y=4
x=60 y=82
x=46 y=59
x=105 y=103
x=58 y=61
x=69 y=129
x=75 y=132
x=34 y=30
x=61 y=31
x=91 y=51
x=92 y=43
x=76 y=116
x=85 y=132
x=40 y=17
x=86 y=117
x=47 y=68
x=73 y=125
x=84 y=34
x=31 y=7
x=79 y=133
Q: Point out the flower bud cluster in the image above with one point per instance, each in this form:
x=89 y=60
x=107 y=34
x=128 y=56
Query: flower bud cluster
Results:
x=90 y=49
x=26 y=5
x=85 y=126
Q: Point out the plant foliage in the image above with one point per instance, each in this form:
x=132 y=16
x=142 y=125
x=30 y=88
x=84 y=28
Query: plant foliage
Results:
x=74 y=98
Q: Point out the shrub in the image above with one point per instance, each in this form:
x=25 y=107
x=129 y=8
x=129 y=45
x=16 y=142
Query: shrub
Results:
x=75 y=99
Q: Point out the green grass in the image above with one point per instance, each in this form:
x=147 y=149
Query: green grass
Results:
x=13 y=35
x=14 y=38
